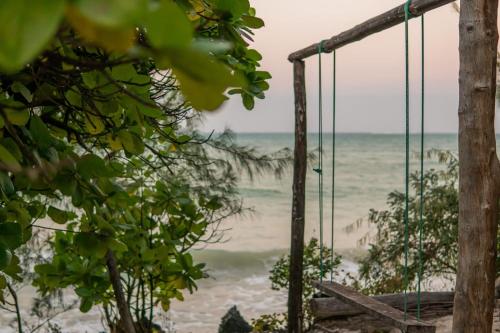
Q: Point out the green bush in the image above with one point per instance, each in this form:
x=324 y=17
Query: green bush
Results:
x=312 y=272
x=382 y=270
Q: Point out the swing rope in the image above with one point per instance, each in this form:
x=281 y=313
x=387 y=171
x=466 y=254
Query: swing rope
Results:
x=407 y=156
x=319 y=169
x=422 y=126
x=334 y=106
x=408 y=15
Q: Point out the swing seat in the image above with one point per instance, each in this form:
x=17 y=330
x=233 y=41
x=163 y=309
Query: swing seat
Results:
x=379 y=310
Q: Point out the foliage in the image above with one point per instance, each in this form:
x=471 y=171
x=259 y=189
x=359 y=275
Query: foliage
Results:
x=313 y=271
x=202 y=42
x=44 y=309
x=94 y=98
x=382 y=270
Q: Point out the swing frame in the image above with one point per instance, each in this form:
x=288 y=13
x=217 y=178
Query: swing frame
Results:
x=379 y=23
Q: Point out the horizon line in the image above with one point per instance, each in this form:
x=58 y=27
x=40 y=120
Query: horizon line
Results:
x=329 y=132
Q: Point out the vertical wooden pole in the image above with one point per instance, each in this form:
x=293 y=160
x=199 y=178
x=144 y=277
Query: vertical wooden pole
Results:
x=479 y=168
x=295 y=320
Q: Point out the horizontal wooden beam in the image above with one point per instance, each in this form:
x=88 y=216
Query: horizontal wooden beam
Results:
x=379 y=23
x=378 y=310
x=433 y=304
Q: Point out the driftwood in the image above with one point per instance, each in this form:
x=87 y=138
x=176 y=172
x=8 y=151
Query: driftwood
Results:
x=433 y=304
x=379 y=23
x=366 y=304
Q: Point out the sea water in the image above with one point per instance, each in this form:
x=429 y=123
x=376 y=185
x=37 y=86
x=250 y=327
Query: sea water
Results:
x=368 y=167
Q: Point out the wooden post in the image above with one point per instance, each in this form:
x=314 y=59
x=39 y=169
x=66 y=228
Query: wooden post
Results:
x=295 y=318
x=479 y=168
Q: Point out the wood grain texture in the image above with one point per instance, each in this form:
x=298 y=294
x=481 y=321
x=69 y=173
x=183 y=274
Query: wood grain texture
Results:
x=379 y=23
x=295 y=320
x=478 y=175
x=371 y=306
x=433 y=304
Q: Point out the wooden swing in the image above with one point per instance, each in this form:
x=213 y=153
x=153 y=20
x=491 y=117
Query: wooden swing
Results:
x=353 y=299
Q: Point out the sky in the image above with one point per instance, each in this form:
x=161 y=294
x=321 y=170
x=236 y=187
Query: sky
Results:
x=370 y=73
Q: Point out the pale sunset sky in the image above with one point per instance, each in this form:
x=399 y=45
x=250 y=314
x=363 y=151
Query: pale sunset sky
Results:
x=370 y=73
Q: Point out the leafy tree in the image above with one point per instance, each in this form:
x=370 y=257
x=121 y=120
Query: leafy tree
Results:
x=93 y=100
x=382 y=270
x=313 y=271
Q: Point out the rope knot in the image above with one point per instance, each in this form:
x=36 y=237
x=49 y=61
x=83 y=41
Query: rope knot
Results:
x=409 y=9
x=321 y=49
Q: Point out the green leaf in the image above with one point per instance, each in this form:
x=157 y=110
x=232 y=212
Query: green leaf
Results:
x=17 y=117
x=203 y=79
x=248 y=101
x=252 y=21
x=167 y=26
x=112 y=13
x=92 y=166
x=86 y=304
x=11 y=235
x=59 y=216
x=6 y=184
x=183 y=138
x=109 y=38
x=5 y=256
x=131 y=142
x=21 y=88
x=7 y=158
x=89 y=244
x=206 y=45
x=128 y=74
x=92 y=80
x=13 y=269
x=83 y=292
x=27 y=26
x=253 y=55
x=73 y=96
x=262 y=75
x=234 y=7
x=11 y=146
x=3 y=282
x=40 y=133
x=117 y=246
x=150 y=111
x=93 y=124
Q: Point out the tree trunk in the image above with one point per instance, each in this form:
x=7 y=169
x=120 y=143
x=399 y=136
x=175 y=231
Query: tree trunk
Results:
x=125 y=317
x=479 y=168
x=295 y=320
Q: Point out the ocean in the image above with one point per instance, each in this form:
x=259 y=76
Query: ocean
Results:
x=368 y=167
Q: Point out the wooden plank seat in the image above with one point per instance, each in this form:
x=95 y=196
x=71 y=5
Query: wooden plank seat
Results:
x=432 y=305
x=375 y=308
